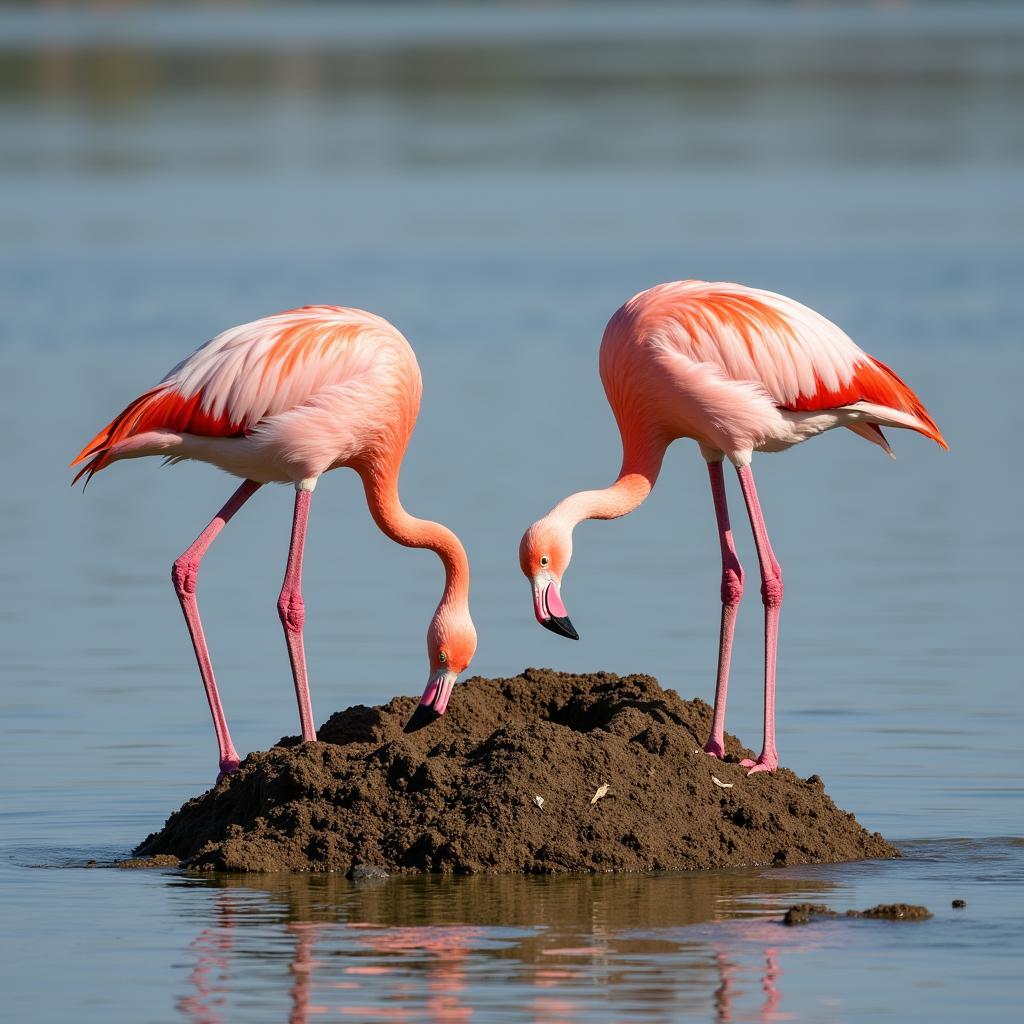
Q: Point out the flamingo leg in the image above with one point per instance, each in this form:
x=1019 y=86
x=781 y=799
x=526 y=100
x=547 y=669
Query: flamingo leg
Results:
x=292 y=611
x=185 y=574
x=771 y=597
x=732 y=591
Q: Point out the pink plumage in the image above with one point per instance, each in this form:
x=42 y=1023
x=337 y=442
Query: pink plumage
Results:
x=254 y=380
x=285 y=399
x=737 y=370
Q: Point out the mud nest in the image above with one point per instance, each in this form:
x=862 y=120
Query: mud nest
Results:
x=545 y=772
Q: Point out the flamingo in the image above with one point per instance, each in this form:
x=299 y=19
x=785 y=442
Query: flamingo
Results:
x=737 y=370
x=284 y=399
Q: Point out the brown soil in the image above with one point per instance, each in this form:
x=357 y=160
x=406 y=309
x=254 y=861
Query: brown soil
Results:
x=804 y=913
x=894 y=912
x=161 y=860
x=506 y=782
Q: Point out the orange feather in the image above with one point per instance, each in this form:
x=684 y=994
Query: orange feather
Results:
x=161 y=408
x=874 y=382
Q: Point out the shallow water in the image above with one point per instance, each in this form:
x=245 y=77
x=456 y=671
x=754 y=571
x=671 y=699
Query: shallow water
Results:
x=496 y=192
x=706 y=946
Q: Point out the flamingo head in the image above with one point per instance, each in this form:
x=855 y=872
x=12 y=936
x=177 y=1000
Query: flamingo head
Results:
x=544 y=555
x=451 y=644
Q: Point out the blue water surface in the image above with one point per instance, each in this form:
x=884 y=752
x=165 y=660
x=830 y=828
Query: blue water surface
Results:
x=496 y=181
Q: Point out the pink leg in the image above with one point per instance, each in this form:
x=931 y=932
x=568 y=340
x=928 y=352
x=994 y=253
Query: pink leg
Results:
x=185 y=573
x=771 y=596
x=732 y=591
x=293 y=613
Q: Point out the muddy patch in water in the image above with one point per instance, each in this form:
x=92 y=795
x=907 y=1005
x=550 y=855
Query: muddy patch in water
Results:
x=805 y=913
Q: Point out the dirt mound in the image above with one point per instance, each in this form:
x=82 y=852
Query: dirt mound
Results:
x=511 y=780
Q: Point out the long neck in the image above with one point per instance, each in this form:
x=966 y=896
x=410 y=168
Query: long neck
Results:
x=381 y=485
x=641 y=463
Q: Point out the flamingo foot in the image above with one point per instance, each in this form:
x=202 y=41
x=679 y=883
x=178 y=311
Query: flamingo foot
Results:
x=714 y=748
x=767 y=762
x=228 y=766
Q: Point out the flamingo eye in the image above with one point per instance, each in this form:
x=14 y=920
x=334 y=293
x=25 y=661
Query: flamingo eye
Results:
x=544 y=559
x=442 y=657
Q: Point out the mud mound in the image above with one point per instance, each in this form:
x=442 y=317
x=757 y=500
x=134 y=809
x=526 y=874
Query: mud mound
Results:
x=508 y=781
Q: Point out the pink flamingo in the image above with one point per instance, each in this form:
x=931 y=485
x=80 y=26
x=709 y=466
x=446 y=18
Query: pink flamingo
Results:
x=738 y=370
x=285 y=399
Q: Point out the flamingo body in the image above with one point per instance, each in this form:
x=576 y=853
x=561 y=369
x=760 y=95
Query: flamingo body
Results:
x=740 y=369
x=737 y=370
x=285 y=399
x=281 y=399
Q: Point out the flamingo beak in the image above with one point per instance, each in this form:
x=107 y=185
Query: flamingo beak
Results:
x=550 y=612
x=434 y=701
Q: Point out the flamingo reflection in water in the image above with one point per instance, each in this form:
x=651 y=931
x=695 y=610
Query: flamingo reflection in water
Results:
x=725 y=993
x=445 y=951
x=379 y=978
x=212 y=949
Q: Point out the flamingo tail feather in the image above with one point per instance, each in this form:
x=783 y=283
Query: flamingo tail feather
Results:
x=909 y=402
x=160 y=408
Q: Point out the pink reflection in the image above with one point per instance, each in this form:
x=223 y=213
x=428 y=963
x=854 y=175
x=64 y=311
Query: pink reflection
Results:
x=772 y=995
x=375 y=1012
x=302 y=969
x=212 y=949
x=770 y=935
x=447 y=947
x=547 y=1010
x=727 y=970
x=421 y=973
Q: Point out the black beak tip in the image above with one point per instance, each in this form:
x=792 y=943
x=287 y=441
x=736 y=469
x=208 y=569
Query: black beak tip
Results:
x=562 y=626
x=421 y=717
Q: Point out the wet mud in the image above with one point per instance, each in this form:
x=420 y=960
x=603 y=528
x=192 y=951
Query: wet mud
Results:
x=805 y=913
x=545 y=772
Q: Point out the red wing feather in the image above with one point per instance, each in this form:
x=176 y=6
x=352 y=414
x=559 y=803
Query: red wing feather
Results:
x=874 y=382
x=249 y=373
x=161 y=408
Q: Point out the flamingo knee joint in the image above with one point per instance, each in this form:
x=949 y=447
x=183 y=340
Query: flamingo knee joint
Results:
x=292 y=610
x=732 y=586
x=184 y=574
x=771 y=592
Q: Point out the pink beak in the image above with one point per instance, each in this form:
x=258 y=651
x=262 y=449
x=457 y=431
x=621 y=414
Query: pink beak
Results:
x=551 y=613
x=434 y=701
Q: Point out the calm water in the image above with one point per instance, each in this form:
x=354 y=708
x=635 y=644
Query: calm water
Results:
x=496 y=184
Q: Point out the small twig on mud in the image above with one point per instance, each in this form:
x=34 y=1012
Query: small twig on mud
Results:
x=602 y=790
x=724 y=785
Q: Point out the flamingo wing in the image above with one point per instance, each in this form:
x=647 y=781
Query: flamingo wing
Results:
x=804 y=361
x=243 y=375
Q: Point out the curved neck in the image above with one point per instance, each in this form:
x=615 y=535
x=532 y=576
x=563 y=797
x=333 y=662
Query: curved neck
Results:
x=381 y=486
x=641 y=463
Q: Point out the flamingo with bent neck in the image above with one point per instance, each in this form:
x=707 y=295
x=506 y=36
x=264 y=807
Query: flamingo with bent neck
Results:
x=737 y=370
x=284 y=399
